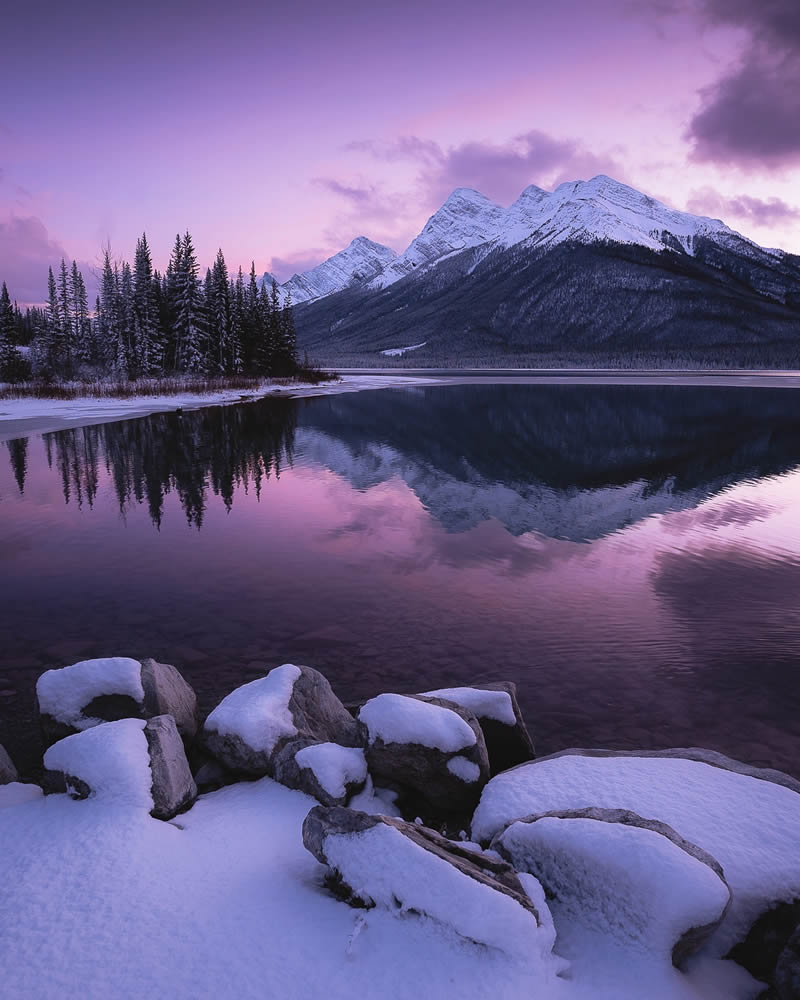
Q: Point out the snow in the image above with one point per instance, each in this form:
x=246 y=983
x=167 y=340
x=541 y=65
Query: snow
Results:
x=633 y=884
x=358 y=262
x=464 y=769
x=375 y=801
x=483 y=703
x=101 y=900
x=748 y=824
x=63 y=693
x=384 y=865
x=112 y=759
x=395 y=718
x=19 y=417
x=394 y=352
x=258 y=712
x=334 y=766
x=15 y=793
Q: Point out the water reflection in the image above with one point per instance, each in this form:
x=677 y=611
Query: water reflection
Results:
x=630 y=556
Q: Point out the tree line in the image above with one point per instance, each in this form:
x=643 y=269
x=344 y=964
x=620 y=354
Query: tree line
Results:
x=145 y=324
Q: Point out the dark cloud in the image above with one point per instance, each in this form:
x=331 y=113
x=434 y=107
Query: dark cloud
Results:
x=751 y=115
x=498 y=170
x=26 y=251
x=761 y=211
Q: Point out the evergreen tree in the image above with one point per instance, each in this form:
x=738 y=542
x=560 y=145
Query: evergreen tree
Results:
x=80 y=347
x=63 y=344
x=126 y=363
x=264 y=348
x=8 y=351
x=287 y=351
x=251 y=324
x=189 y=326
x=147 y=346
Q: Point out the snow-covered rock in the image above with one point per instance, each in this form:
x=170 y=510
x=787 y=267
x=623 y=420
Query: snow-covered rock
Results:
x=766 y=940
x=16 y=793
x=329 y=772
x=747 y=818
x=357 y=263
x=251 y=725
x=434 y=747
x=403 y=867
x=74 y=698
x=496 y=708
x=8 y=772
x=612 y=871
x=130 y=762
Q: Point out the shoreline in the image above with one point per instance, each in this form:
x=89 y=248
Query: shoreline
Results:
x=25 y=416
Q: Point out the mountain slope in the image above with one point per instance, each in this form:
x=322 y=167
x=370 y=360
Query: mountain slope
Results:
x=358 y=262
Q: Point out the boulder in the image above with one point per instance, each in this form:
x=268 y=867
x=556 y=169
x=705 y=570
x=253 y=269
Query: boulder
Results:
x=407 y=868
x=8 y=772
x=431 y=746
x=251 y=725
x=332 y=774
x=616 y=873
x=129 y=762
x=761 y=949
x=75 y=698
x=745 y=817
x=496 y=708
x=787 y=972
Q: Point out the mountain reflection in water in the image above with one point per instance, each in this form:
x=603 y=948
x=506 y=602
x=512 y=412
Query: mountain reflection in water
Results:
x=627 y=554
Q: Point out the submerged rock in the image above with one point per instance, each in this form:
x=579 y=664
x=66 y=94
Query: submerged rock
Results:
x=432 y=746
x=128 y=762
x=85 y=694
x=8 y=772
x=616 y=873
x=249 y=728
x=382 y=861
x=497 y=710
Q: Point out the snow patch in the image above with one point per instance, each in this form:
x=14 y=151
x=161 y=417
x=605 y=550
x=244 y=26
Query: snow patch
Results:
x=482 y=703
x=258 y=712
x=394 y=352
x=395 y=718
x=334 y=766
x=64 y=692
x=464 y=769
x=16 y=792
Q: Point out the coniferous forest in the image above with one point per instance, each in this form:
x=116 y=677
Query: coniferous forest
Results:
x=145 y=324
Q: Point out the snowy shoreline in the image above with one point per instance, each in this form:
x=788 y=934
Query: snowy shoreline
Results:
x=20 y=417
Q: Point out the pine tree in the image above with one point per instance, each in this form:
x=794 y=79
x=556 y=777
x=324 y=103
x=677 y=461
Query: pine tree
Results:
x=190 y=332
x=237 y=323
x=251 y=324
x=8 y=350
x=126 y=363
x=147 y=348
x=80 y=346
x=288 y=339
x=264 y=348
x=218 y=301
x=63 y=344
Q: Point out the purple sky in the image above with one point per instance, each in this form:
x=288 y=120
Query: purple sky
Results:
x=280 y=133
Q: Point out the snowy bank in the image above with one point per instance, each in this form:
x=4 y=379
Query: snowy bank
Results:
x=19 y=417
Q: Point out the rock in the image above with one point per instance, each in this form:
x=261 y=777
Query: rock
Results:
x=8 y=772
x=496 y=708
x=128 y=762
x=615 y=872
x=75 y=698
x=760 y=951
x=747 y=818
x=787 y=972
x=250 y=727
x=173 y=788
x=382 y=861
x=332 y=774
x=432 y=746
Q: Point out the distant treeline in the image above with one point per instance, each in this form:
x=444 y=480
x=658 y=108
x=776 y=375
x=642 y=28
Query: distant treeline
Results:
x=148 y=324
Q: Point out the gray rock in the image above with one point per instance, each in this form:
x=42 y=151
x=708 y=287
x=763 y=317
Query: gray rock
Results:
x=693 y=937
x=324 y=827
x=290 y=773
x=173 y=787
x=787 y=971
x=317 y=716
x=8 y=772
x=165 y=692
x=424 y=769
x=760 y=951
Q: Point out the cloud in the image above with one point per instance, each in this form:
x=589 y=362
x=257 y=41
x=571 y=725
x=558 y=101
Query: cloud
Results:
x=295 y=263
x=26 y=251
x=498 y=170
x=762 y=212
x=750 y=115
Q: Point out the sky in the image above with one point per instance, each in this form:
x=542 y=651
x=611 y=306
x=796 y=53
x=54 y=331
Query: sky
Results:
x=281 y=132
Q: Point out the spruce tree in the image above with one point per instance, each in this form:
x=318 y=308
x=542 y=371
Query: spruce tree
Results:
x=8 y=350
x=190 y=333
x=79 y=326
x=63 y=345
x=147 y=348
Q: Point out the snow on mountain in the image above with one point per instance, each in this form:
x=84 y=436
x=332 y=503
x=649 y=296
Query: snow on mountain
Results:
x=466 y=219
x=359 y=262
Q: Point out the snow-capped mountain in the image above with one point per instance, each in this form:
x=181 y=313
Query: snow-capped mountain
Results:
x=357 y=263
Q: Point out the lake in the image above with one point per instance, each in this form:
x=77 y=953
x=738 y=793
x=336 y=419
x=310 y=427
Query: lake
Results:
x=629 y=555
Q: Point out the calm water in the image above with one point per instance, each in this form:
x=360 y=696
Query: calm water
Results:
x=630 y=556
